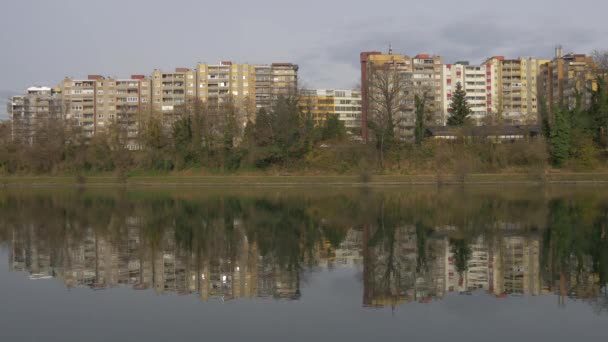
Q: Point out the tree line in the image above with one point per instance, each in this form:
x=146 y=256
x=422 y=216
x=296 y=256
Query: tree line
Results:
x=214 y=137
x=210 y=136
x=574 y=134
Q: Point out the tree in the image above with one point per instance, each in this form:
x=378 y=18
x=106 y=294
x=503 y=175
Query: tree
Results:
x=182 y=141
x=281 y=133
x=545 y=120
x=459 y=108
x=561 y=137
x=333 y=128
x=462 y=254
x=387 y=101
x=420 y=130
x=231 y=134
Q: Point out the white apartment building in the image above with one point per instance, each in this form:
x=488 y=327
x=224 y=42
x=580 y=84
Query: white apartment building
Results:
x=480 y=82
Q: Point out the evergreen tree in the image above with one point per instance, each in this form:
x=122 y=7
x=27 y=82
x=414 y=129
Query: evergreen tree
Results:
x=545 y=122
x=182 y=141
x=420 y=103
x=561 y=137
x=599 y=112
x=459 y=108
x=333 y=128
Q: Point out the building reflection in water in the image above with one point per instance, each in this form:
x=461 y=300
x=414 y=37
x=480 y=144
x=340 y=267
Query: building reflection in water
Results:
x=261 y=249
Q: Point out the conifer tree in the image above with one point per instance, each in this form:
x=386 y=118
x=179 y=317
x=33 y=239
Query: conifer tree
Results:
x=420 y=104
x=561 y=137
x=459 y=108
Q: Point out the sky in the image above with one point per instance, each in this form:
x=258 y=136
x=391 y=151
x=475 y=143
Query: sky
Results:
x=44 y=41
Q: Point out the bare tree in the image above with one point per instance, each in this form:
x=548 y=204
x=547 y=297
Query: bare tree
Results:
x=388 y=100
x=600 y=57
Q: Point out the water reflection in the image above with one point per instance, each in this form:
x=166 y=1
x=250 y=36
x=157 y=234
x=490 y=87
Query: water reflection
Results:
x=409 y=246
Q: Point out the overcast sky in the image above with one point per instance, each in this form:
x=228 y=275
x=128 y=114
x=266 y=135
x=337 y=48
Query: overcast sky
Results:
x=43 y=41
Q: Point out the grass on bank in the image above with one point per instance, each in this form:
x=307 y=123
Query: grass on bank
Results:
x=253 y=180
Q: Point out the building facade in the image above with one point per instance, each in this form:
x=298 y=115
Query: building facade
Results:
x=171 y=89
x=517 y=100
x=33 y=109
x=566 y=76
x=481 y=84
x=345 y=104
x=418 y=76
x=95 y=103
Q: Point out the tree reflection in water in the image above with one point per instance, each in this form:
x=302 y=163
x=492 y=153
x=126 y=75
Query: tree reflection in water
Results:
x=409 y=244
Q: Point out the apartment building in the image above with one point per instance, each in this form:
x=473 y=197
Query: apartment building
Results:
x=420 y=75
x=564 y=77
x=32 y=109
x=228 y=82
x=481 y=84
x=272 y=81
x=248 y=87
x=517 y=100
x=390 y=67
x=97 y=102
x=345 y=104
x=426 y=77
x=171 y=89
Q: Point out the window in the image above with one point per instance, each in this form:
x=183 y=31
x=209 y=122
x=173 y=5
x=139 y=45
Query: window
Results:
x=100 y=92
x=190 y=77
x=132 y=99
x=100 y=116
x=99 y=100
x=144 y=99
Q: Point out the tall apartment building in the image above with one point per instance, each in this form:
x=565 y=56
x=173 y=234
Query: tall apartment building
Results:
x=426 y=78
x=564 y=77
x=518 y=79
x=250 y=87
x=345 y=104
x=97 y=102
x=373 y=64
x=171 y=90
x=226 y=82
x=480 y=82
x=271 y=81
x=419 y=75
x=32 y=109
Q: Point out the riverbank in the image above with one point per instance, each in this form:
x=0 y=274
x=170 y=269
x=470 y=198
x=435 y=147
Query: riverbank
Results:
x=289 y=180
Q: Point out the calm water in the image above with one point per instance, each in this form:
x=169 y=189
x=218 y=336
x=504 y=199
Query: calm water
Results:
x=417 y=264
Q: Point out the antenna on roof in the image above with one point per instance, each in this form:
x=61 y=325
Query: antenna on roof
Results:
x=390 y=48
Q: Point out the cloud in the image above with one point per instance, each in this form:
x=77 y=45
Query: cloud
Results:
x=336 y=61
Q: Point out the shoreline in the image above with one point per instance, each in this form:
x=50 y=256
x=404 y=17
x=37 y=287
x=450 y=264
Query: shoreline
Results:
x=300 y=181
